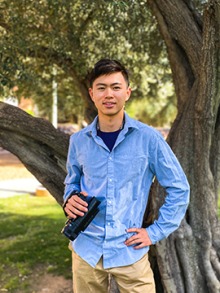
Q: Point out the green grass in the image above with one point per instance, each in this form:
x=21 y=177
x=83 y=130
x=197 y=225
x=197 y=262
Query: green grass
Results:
x=30 y=237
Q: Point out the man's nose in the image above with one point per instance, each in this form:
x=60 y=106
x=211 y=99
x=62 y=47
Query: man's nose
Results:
x=108 y=93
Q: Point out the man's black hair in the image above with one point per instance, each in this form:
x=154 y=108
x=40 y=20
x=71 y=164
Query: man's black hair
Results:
x=107 y=66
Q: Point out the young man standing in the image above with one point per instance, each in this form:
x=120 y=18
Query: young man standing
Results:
x=115 y=159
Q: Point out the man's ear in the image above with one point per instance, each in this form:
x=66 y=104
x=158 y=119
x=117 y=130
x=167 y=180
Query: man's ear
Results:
x=128 y=93
x=91 y=93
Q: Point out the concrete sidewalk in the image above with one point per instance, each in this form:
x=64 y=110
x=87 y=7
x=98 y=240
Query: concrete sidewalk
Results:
x=14 y=187
x=23 y=182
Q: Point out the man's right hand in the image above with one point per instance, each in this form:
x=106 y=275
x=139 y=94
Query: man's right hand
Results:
x=75 y=206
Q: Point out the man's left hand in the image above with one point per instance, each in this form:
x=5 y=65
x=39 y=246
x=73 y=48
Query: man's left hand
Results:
x=140 y=239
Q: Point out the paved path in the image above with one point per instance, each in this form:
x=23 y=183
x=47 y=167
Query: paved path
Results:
x=14 y=187
x=10 y=185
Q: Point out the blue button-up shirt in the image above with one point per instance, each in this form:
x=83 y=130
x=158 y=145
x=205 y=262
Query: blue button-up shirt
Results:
x=121 y=180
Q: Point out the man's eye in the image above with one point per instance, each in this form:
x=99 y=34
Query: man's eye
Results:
x=101 y=88
x=116 y=88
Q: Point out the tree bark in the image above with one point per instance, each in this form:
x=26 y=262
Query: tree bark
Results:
x=188 y=260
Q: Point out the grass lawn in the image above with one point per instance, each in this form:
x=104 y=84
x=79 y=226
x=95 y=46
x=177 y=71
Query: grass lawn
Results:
x=30 y=237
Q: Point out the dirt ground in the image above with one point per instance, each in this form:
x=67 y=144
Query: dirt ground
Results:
x=48 y=283
x=41 y=282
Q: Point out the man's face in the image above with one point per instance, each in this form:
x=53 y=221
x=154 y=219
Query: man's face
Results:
x=109 y=93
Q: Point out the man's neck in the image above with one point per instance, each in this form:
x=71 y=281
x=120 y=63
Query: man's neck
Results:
x=110 y=124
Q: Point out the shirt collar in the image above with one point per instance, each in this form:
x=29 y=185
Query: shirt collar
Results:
x=129 y=123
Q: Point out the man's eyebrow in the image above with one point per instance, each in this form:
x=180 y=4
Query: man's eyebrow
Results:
x=112 y=84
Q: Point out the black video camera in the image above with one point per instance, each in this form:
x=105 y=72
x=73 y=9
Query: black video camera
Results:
x=73 y=227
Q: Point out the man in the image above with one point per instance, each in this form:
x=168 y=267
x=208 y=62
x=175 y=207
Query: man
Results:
x=116 y=159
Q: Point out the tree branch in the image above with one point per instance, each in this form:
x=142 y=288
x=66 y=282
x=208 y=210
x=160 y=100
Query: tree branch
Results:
x=183 y=28
x=66 y=63
x=39 y=146
x=182 y=35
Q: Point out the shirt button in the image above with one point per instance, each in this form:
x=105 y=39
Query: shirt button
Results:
x=110 y=180
x=109 y=202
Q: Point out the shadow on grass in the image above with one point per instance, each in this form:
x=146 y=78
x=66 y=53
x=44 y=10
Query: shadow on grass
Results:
x=30 y=241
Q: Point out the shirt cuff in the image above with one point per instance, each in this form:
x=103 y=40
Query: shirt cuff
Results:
x=154 y=233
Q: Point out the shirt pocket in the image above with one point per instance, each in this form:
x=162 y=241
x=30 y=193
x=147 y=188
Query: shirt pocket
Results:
x=138 y=165
x=133 y=176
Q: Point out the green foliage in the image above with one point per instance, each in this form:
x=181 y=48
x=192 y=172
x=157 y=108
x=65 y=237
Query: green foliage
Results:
x=73 y=35
x=30 y=238
x=155 y=110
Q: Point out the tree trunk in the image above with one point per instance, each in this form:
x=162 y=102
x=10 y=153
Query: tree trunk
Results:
x=188 y=260
x=38 y=145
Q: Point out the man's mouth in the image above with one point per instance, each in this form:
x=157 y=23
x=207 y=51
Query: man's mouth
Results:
x=108 y=103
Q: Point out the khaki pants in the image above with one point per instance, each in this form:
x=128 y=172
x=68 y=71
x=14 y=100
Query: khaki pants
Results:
x=135 y=278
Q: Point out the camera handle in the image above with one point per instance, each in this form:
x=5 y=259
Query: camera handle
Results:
x=73 y=227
